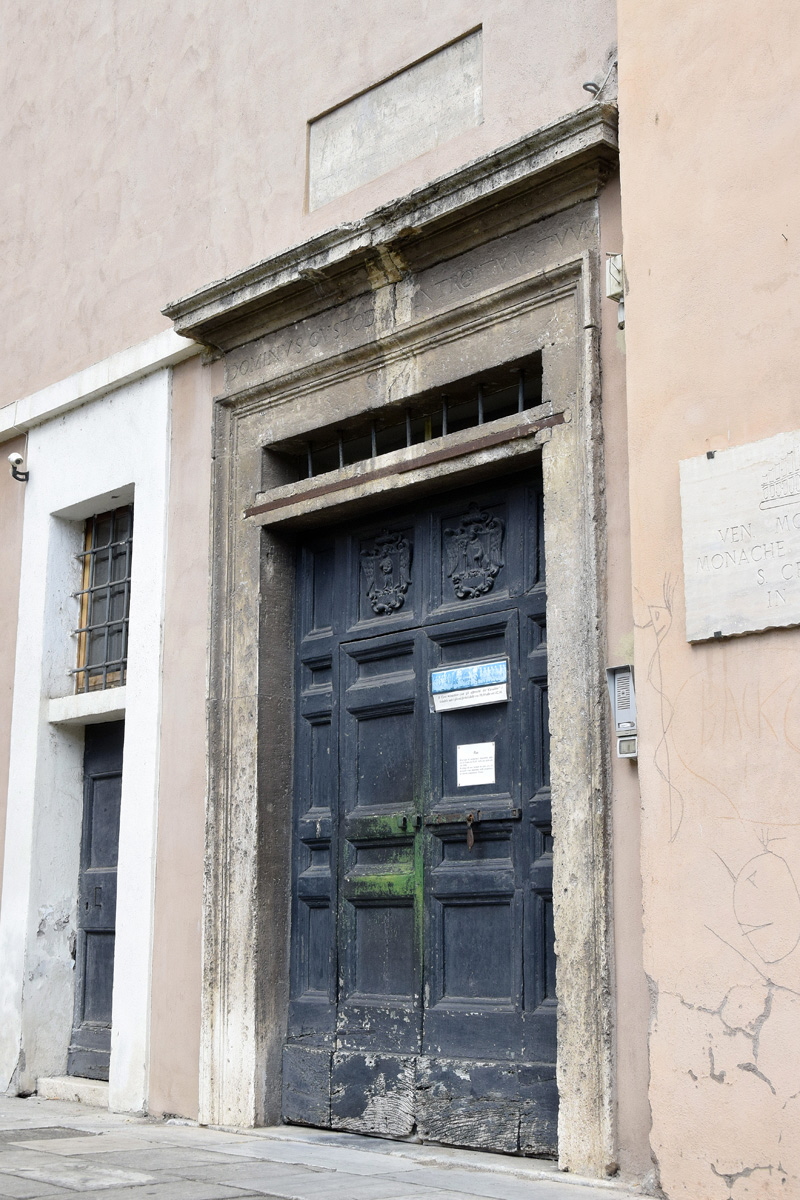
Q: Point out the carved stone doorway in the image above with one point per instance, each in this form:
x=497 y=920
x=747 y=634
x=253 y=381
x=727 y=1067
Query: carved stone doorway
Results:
x=476 y=272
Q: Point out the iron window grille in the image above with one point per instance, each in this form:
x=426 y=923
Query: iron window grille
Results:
x=104 y=601
x=501 y=391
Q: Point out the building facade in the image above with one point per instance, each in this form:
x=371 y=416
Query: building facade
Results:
x=371 y=397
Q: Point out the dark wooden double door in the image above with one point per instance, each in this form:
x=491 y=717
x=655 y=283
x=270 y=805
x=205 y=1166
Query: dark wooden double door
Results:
x=423 y=970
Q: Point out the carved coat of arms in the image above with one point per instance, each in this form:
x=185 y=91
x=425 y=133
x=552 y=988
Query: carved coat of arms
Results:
x=387 y=570
x=474 y=553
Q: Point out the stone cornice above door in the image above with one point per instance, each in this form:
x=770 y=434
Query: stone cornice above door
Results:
x=549 y=170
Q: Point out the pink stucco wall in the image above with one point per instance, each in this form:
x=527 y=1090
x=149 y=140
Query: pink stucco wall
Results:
x=710 y=109
x=176 y=982
x=173 y=139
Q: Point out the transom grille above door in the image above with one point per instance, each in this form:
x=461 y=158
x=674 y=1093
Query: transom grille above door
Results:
x=475 y=400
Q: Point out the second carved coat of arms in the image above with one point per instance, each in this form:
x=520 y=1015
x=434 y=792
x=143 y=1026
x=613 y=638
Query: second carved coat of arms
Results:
x=474 y=553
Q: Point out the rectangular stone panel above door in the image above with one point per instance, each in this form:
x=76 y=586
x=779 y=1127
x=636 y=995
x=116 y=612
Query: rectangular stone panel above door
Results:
x=413 y=111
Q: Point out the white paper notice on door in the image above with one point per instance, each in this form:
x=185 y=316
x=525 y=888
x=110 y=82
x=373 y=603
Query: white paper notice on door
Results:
x=474 y=764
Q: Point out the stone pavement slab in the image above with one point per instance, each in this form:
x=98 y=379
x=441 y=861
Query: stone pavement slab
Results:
x=331 y=1158
x=52 y=1133
x=81 y=1143
x=52 y=1149
x=174 y=1133
x=264 y=1178
x=480 y=1186
x=328 y=1185
x=14 y=1188
x=77 y=1174
x=171 y=1159
x=404 y=1153
x=170 y=1189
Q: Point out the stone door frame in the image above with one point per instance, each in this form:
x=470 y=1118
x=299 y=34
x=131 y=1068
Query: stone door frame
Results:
x=360 y=317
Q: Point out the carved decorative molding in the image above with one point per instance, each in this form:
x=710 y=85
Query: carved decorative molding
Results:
x=545 y=172
x=474 y=553
x=387 y=571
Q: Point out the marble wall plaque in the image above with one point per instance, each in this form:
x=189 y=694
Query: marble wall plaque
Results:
x=741 y=538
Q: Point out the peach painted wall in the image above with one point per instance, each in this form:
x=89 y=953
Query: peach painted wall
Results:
x=12 y=505
x=631 y=996
x=174 y=137
x=710 y=113
x=176 y=981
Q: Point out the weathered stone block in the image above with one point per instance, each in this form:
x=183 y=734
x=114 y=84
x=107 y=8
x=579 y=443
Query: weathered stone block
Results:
x=417 y=109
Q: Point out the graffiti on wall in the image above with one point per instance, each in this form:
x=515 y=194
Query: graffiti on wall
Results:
x=722 y=750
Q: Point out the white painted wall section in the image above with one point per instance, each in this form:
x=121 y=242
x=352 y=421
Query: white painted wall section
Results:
x=161 y=350
x=83 y=461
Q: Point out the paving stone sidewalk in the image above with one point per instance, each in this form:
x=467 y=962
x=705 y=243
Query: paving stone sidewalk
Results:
x=49 y=1148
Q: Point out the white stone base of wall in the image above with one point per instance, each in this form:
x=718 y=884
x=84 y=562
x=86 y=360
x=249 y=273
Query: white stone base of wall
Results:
x=79 y=1091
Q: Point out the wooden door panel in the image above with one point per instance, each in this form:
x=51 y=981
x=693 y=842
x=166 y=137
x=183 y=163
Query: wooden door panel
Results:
x=383 y=562
x=374 y=1093
x=313 y=948
x=474 y=896
x=379 y=913
x=319 y=567
x=103 y=839
x=90 y=1043
x=313 y=959
x=306 y=1084
x=539 y=1032
x=98 y=977
x=97 y=899
x=385 y=754
x=477 y=1107
x=474 y=554
x=487 y=974
x=538 y=1104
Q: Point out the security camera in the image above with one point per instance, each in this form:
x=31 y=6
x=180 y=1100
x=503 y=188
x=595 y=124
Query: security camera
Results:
x=16 y=461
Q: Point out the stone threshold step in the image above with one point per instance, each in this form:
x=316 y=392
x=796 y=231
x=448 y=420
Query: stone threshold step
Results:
x=93 y=1092
x=433 y=1155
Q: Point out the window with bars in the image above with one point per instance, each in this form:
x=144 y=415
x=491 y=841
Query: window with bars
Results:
x=501 y=391
x=104 y=601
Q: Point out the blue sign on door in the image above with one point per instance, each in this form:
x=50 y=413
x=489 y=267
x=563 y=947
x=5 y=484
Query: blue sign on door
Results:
x=469 y=685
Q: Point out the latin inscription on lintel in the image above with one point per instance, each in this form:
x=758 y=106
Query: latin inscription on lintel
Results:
x=741 y=538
